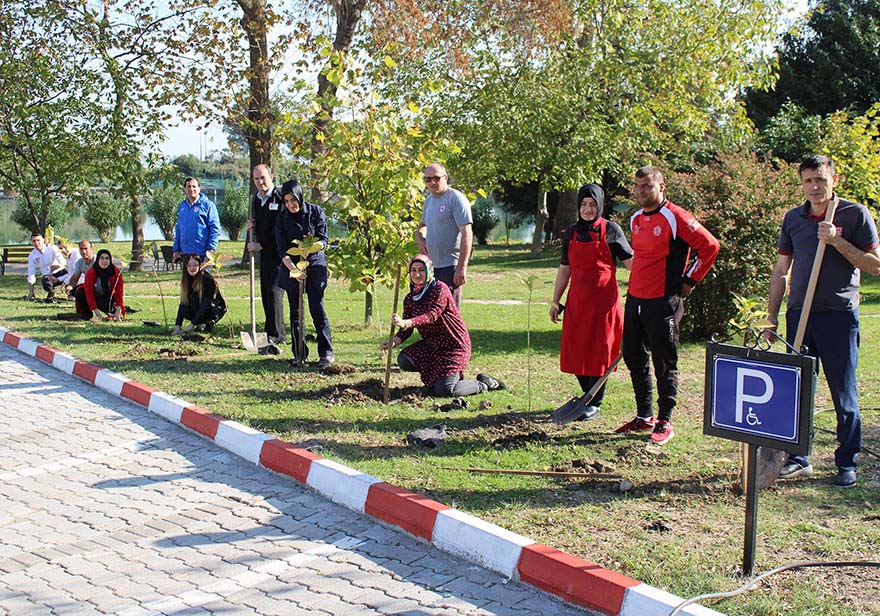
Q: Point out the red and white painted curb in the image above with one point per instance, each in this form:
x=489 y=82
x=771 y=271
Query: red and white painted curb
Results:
x=514 y=556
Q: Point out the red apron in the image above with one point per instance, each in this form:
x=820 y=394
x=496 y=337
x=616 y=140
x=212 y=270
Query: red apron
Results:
x=592 y=324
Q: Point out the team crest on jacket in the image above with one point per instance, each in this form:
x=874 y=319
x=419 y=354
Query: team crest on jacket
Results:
x=657 y=231
x=693 y=225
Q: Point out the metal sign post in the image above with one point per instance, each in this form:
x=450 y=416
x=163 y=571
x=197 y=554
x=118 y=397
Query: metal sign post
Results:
x=761 y=398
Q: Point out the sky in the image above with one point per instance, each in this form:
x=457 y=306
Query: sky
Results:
x=186 y=138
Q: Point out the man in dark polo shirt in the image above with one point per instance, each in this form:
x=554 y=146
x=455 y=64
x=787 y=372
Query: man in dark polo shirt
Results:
x=265 y=205
x=832 y=332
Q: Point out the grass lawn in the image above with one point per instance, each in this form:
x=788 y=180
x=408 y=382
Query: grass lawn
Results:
x=679 y=528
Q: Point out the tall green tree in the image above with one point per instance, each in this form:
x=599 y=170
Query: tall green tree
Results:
x=615 y=84
x=51 y=118
x=373 y=168
x=829 y=61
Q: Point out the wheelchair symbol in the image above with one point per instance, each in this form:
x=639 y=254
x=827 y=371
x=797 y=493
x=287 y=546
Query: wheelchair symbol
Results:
x=752 y=418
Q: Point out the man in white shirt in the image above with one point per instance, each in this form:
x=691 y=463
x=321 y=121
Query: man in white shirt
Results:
x=72 y=255
x=49 y=263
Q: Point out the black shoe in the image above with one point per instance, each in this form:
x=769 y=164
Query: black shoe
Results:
x=793 y=469
x=325 y=361
x=491 y=383
x=845 y=479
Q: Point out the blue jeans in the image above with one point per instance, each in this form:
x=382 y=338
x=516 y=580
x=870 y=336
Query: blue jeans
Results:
x=833 y=338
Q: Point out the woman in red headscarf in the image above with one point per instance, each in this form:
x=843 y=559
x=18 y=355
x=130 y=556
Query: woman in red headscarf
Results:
x=593 y=324
x=104 y=290
x=442 y=354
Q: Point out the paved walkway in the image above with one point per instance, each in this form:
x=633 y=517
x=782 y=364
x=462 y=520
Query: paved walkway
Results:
x=107 y=508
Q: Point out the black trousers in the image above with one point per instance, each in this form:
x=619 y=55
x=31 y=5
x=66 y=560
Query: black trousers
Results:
x=316 y=282
x=452 y=385
x=650 y=336
x=272 y=297
x=587 y=382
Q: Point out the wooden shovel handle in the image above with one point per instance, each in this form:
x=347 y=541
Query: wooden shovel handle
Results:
x=811 y=285
x=391 y=337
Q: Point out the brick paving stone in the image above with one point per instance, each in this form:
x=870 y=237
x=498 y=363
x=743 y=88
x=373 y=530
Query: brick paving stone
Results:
x=109 y=509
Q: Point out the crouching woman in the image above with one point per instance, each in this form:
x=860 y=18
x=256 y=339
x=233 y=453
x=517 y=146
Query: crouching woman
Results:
x=103 y=289
x=200 y=300
x=442 y=354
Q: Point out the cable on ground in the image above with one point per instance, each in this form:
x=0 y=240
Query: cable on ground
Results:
x=754 y=581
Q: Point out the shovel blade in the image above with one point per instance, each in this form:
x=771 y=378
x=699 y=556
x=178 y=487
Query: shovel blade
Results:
x=570 y=411
x=252 y=344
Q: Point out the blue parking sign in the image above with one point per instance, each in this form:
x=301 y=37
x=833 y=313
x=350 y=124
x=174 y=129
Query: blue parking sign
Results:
x=759 y=397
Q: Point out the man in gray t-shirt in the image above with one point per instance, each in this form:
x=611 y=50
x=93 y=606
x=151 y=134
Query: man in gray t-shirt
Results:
x=445 y=231
x=832 y=329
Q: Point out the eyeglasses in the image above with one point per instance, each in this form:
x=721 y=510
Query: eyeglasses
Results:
x=433 y=178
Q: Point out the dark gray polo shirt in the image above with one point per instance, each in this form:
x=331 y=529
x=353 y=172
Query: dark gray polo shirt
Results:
x=838 y=285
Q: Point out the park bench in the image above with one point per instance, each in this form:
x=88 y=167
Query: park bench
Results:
x=14 y=254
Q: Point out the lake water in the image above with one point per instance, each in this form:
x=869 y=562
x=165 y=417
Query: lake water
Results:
x=76 y=228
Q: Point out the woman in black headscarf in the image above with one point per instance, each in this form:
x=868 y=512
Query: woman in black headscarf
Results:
x=104 y=290
x=593 y=324
x=200 y=299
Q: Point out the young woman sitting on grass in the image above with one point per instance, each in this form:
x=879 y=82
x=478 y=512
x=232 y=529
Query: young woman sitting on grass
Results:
x=103 y=288
x=200 y=299
x=442 y=354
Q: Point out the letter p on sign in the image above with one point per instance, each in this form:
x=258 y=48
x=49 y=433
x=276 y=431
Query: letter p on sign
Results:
x=742 y=398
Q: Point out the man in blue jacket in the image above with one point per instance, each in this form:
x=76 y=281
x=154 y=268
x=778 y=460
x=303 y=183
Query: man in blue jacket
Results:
x=198 y=224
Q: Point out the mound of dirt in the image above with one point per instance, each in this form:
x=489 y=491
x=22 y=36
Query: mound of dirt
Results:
x=178 y=352
x=337 y=368
x=521 y=440
x=349 y=395
x=640 y=453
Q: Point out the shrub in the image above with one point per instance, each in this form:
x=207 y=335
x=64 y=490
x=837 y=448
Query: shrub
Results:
x=162 y=207
x=485 y=218
x=104 y=213
x=853 y=145
x=29 y=220
x=741 y=200
x=234 y=209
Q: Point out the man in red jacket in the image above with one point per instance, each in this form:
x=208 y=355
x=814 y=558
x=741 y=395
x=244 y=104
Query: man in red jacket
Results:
x=663 y=274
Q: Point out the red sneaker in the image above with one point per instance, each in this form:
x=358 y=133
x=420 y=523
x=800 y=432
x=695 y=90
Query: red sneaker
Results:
x=638 y=424
x=662 y=432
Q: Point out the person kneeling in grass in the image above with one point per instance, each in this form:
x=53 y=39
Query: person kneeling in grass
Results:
x=442 y=354
x=200 y=299
x=103 y=288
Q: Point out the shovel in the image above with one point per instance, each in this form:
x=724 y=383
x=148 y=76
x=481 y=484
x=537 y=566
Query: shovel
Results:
x=576 y=407
x=252 y=341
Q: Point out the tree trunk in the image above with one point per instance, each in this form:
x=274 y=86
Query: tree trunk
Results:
x=368 y=307
x=348 y=15
x=540 y=219
x=137 y=235
x=257 y=127
x=566 y=213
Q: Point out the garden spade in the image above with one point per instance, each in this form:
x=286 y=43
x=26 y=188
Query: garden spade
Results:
x=252 y=341
x=576 y=407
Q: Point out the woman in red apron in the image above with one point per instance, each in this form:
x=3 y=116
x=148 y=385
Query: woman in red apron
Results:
x=593 y=323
